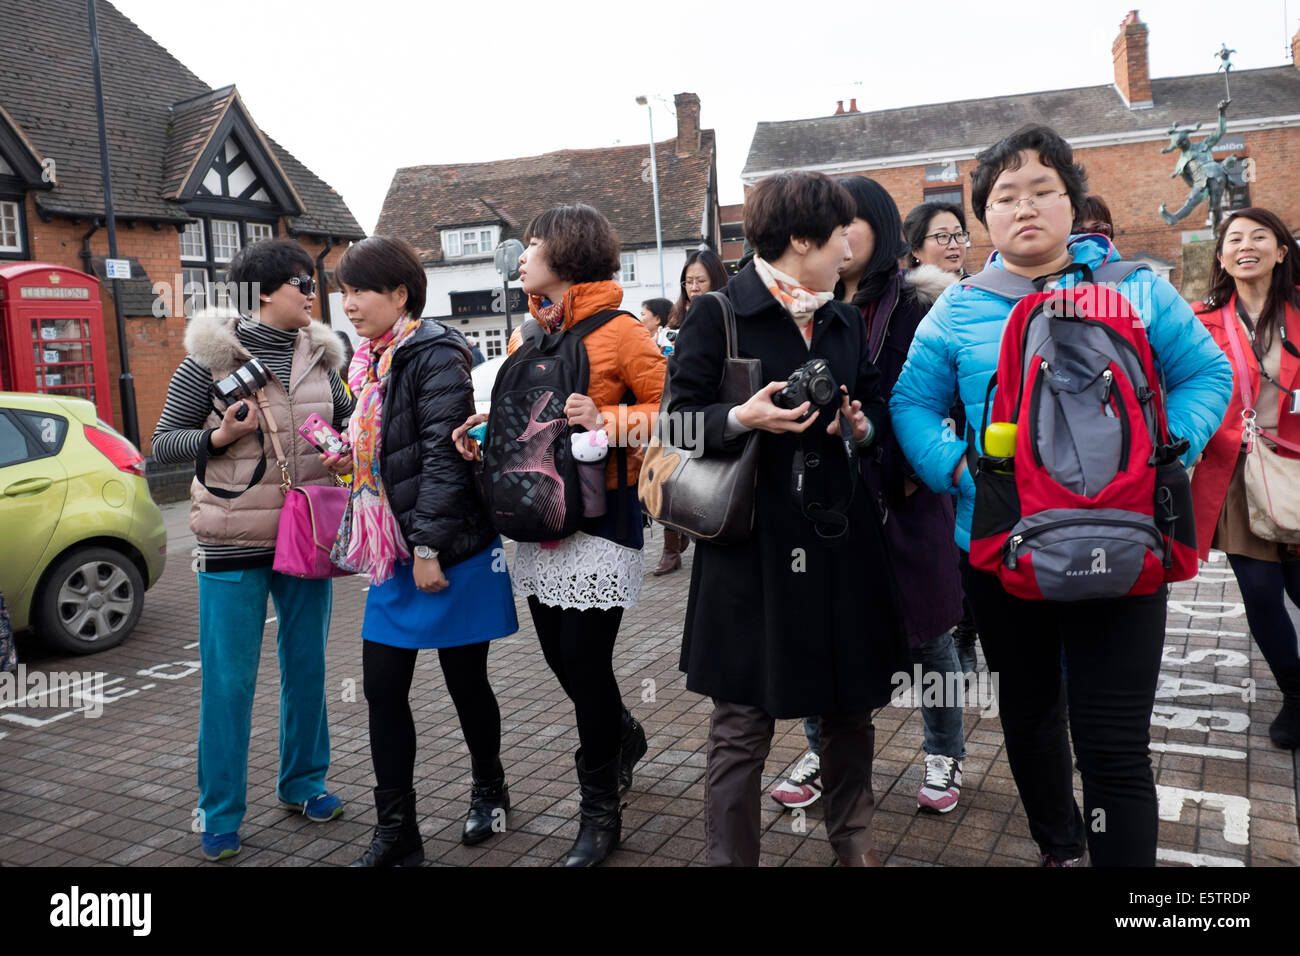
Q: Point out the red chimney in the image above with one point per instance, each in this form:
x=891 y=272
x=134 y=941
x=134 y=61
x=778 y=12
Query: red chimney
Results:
x=853 y=105
x=688 y=123
x=1132 y=73
x=839 y=107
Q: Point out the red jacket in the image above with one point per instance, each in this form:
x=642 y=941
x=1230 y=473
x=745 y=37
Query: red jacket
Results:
x=1210 y=478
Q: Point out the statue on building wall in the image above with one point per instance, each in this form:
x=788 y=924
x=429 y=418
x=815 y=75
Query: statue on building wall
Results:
x=1209 y=178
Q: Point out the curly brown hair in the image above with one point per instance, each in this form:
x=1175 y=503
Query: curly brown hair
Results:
x=580 y=243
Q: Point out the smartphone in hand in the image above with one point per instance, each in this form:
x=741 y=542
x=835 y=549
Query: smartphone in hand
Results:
x=322 y=436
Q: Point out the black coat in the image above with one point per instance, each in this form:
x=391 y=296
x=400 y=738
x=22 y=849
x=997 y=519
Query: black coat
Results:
x=429 y=486
x=787 y=621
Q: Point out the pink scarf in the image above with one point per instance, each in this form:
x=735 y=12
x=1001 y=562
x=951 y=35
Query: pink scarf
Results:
x=369 y=538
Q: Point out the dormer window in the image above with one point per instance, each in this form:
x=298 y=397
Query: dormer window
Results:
x=463 y=243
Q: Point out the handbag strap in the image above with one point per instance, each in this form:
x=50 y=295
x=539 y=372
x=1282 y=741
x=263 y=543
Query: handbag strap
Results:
x=285 y=481
x=728 y=324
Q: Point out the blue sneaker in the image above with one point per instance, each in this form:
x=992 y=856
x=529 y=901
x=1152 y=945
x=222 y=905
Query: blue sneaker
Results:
x=321 y=808
x=219 y=846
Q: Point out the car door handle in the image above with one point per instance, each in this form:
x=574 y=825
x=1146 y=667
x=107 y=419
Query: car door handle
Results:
x=28 y=486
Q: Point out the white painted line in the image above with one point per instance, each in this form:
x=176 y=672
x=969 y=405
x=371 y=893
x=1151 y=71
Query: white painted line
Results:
x=1225 y=608
x=1197 y=630
x=1230 y=658
x=1196 y=859
x=1235 y=809
x=190 y=647
x=148 y=686
x=270 y=619
x=1196 y=751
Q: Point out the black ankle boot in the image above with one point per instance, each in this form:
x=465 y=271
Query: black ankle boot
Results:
x=634 y=747
x=601 y=817
x=397 y=840
x=1284 y=732
x=487 y=794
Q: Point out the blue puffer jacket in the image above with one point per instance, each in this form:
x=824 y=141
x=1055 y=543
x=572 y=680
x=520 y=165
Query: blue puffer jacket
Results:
x=955 y=351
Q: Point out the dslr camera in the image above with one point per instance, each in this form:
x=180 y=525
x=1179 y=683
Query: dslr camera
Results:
x=811 y=382
x=240 y=385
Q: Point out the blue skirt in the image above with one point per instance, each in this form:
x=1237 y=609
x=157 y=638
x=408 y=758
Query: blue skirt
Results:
x=477 y=606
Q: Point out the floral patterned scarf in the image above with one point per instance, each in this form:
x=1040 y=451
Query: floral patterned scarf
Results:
x=369 y=538
x=800 y=301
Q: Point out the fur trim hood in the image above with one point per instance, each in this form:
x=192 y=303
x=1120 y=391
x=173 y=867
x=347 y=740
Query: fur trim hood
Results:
x=210 y=340
x=927 y=283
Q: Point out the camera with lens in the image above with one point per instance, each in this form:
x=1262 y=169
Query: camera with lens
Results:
x=670 y=335
x=811 y=382
x=241 y=384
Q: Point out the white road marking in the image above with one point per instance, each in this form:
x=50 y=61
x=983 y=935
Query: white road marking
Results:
x=1196 y=859
x=1196 y=751
x=1236 y=810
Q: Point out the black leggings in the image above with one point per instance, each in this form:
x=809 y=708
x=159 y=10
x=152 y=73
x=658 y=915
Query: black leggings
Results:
x=387 y=673
x=1262 y=585
x=579 y=647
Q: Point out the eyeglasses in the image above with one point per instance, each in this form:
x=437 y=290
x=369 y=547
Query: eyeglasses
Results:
x=1043 y=199
x=692 y=282
x=945 y=238
x=305 y=283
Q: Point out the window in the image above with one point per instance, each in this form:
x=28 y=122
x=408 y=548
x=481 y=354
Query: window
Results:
x=11 y=237
x=259 y=231
x=948 y=194
x=225 y=239
x=49 y=430
x=457 y=243
x=494 y=343
x=194 y=287
x=192 y=244
x=627 y=268
x=13 y=443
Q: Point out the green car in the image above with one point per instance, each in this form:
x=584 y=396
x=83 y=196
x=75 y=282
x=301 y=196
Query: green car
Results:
x=82 y=538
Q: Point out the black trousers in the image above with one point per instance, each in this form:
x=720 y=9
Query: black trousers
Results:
x=1112 y=652
x=579 y=648
x=387 y=673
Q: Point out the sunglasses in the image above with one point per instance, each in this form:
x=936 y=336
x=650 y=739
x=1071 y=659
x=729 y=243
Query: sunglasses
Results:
x=305 y=283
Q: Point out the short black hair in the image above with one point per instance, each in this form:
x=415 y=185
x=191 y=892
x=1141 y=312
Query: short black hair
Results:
x=381 y=264
x=659 y=308
x=1093 y=209
x=798 y=205
x=1053 y=151
x=580 y=243
x=270 y=263
x=917 y=222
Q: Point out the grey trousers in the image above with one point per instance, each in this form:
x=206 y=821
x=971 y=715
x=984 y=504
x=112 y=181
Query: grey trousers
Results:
x=740 y=737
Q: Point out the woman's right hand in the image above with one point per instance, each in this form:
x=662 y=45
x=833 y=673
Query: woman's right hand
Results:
x=760 y=413
x=337 y=464
x=467 y=446
x=231 y=428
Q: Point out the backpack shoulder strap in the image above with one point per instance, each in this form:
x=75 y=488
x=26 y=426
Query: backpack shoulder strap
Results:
x=1000 y=282
x=592 y=322
x=1117 y=272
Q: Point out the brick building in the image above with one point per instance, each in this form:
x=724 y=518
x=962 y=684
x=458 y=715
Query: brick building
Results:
x=1117 y=131
x=455 y=216
x=194 y=179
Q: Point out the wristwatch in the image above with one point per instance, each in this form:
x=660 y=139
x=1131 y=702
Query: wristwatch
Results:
x=426 y=552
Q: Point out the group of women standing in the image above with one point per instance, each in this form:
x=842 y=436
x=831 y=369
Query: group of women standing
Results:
x=866 y=535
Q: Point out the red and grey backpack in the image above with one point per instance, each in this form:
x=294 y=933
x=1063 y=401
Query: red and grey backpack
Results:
x=527 y=473
x=1094 y=503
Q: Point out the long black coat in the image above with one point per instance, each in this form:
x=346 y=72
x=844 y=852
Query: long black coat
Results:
x=429 y=486
x=786 y=621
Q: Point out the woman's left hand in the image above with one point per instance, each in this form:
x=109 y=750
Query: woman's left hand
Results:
x=581 y=410
x=428 y=575
x=851 y=411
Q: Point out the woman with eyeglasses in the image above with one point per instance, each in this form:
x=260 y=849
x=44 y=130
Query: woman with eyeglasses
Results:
x=235 y=518
x=1254 y=299
x=1094 y=217
x=1026 y=190
x=936 y=234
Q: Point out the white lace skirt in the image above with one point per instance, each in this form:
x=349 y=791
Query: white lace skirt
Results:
x=582 y=571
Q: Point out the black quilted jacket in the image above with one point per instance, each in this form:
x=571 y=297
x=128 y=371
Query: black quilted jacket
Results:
x=429 y=486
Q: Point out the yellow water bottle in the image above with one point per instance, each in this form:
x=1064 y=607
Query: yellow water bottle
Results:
x=1000 y=440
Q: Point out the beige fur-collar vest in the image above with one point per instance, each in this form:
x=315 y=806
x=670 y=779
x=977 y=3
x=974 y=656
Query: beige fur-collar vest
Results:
x=251 y=520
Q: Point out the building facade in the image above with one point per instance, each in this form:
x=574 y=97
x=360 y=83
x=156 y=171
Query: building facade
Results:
x=1117 y=131
x=194 y=180
x=456 y=215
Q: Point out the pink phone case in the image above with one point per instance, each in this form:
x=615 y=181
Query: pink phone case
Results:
x=322 y=436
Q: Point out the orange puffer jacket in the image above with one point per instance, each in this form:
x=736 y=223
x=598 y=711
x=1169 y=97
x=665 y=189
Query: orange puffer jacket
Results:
x=622 y=356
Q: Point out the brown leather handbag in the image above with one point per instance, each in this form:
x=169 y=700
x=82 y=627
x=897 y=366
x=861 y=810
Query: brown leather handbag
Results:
x=709 y=497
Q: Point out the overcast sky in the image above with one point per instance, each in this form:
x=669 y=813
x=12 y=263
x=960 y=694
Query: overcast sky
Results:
x=357 y=89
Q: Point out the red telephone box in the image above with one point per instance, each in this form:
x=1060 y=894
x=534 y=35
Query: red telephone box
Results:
x=52 y=333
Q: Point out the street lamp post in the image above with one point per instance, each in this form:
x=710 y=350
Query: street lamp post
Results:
x=654 y=181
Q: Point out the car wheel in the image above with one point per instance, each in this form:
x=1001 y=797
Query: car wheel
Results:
x=90 y=601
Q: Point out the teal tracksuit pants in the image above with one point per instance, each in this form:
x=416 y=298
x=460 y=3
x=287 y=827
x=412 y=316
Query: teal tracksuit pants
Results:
x=232 y=617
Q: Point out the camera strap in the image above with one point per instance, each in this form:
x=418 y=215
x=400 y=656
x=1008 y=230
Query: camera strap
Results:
x=830 y=524
x=201 y=458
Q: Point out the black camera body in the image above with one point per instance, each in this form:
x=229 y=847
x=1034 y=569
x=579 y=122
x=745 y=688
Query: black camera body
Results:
x=812 y=382
x=241 y=384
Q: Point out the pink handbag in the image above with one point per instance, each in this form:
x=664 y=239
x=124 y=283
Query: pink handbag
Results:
x=309 y=523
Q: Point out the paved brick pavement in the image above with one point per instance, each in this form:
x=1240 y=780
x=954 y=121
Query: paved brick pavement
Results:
x=119 y=789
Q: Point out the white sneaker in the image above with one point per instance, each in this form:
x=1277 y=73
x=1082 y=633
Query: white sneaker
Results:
x=942 y=785
x=803 y=787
